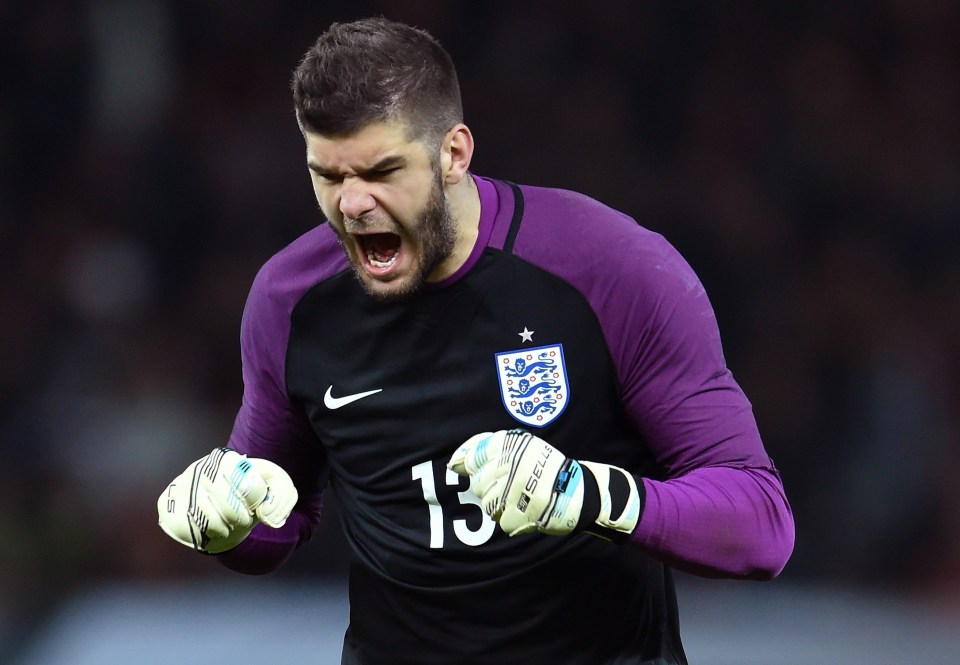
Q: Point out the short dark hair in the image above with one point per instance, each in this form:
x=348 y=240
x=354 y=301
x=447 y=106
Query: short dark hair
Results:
x=377 y=70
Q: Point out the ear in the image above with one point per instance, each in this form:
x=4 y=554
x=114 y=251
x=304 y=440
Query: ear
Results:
x=456 y=153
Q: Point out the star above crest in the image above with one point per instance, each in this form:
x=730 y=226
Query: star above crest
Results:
x=526 y=335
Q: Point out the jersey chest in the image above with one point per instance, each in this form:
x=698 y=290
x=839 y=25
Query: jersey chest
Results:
x=388 y=387
x=392 y=390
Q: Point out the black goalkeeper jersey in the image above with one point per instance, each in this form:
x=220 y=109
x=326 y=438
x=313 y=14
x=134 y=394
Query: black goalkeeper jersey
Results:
x=551 y=325
x=435 y=580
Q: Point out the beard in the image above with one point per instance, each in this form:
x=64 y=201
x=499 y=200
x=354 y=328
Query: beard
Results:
x=432 y=241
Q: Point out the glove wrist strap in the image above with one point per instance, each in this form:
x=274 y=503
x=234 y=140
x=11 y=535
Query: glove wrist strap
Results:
x=612 y=503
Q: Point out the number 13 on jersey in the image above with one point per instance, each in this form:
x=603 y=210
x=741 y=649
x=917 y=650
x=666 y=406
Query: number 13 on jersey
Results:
x=425 y=474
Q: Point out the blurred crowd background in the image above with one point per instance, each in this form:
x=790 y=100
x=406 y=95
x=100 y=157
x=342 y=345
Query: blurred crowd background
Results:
x=804 y=157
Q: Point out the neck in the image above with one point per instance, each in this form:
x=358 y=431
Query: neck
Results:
x=464 y=201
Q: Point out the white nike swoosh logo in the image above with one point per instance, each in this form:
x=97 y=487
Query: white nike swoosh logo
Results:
x=332 y=402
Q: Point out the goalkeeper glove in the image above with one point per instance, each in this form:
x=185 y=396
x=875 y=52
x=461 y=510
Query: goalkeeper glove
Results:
x=214 y=504
x=526 y=485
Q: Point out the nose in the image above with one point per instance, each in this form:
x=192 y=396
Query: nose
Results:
x=355 y=198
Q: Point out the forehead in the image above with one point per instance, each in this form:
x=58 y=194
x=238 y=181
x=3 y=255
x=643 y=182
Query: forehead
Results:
x=368 y=145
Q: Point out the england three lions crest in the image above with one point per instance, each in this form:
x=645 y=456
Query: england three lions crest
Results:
x=533 y=384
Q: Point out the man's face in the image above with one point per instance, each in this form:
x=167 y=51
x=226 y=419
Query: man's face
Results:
x=384 y=197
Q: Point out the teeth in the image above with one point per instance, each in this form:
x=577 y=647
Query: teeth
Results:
x=381 y=264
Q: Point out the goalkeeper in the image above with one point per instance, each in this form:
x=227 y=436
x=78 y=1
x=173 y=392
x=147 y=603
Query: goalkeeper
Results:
x=517 y=395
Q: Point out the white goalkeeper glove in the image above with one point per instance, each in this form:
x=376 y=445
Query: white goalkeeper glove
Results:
x=525 y=484
x=214 y=504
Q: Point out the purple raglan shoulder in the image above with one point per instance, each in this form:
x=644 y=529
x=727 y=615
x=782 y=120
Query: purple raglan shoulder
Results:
x=658 y=323
x=266 y=424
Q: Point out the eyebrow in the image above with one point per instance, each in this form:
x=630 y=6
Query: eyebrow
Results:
x=385 y=164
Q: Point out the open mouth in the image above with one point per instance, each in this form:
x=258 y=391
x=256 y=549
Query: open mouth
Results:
x=381 y=250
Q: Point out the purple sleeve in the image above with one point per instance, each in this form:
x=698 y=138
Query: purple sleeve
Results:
x=268 y=425
x=721 y=510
